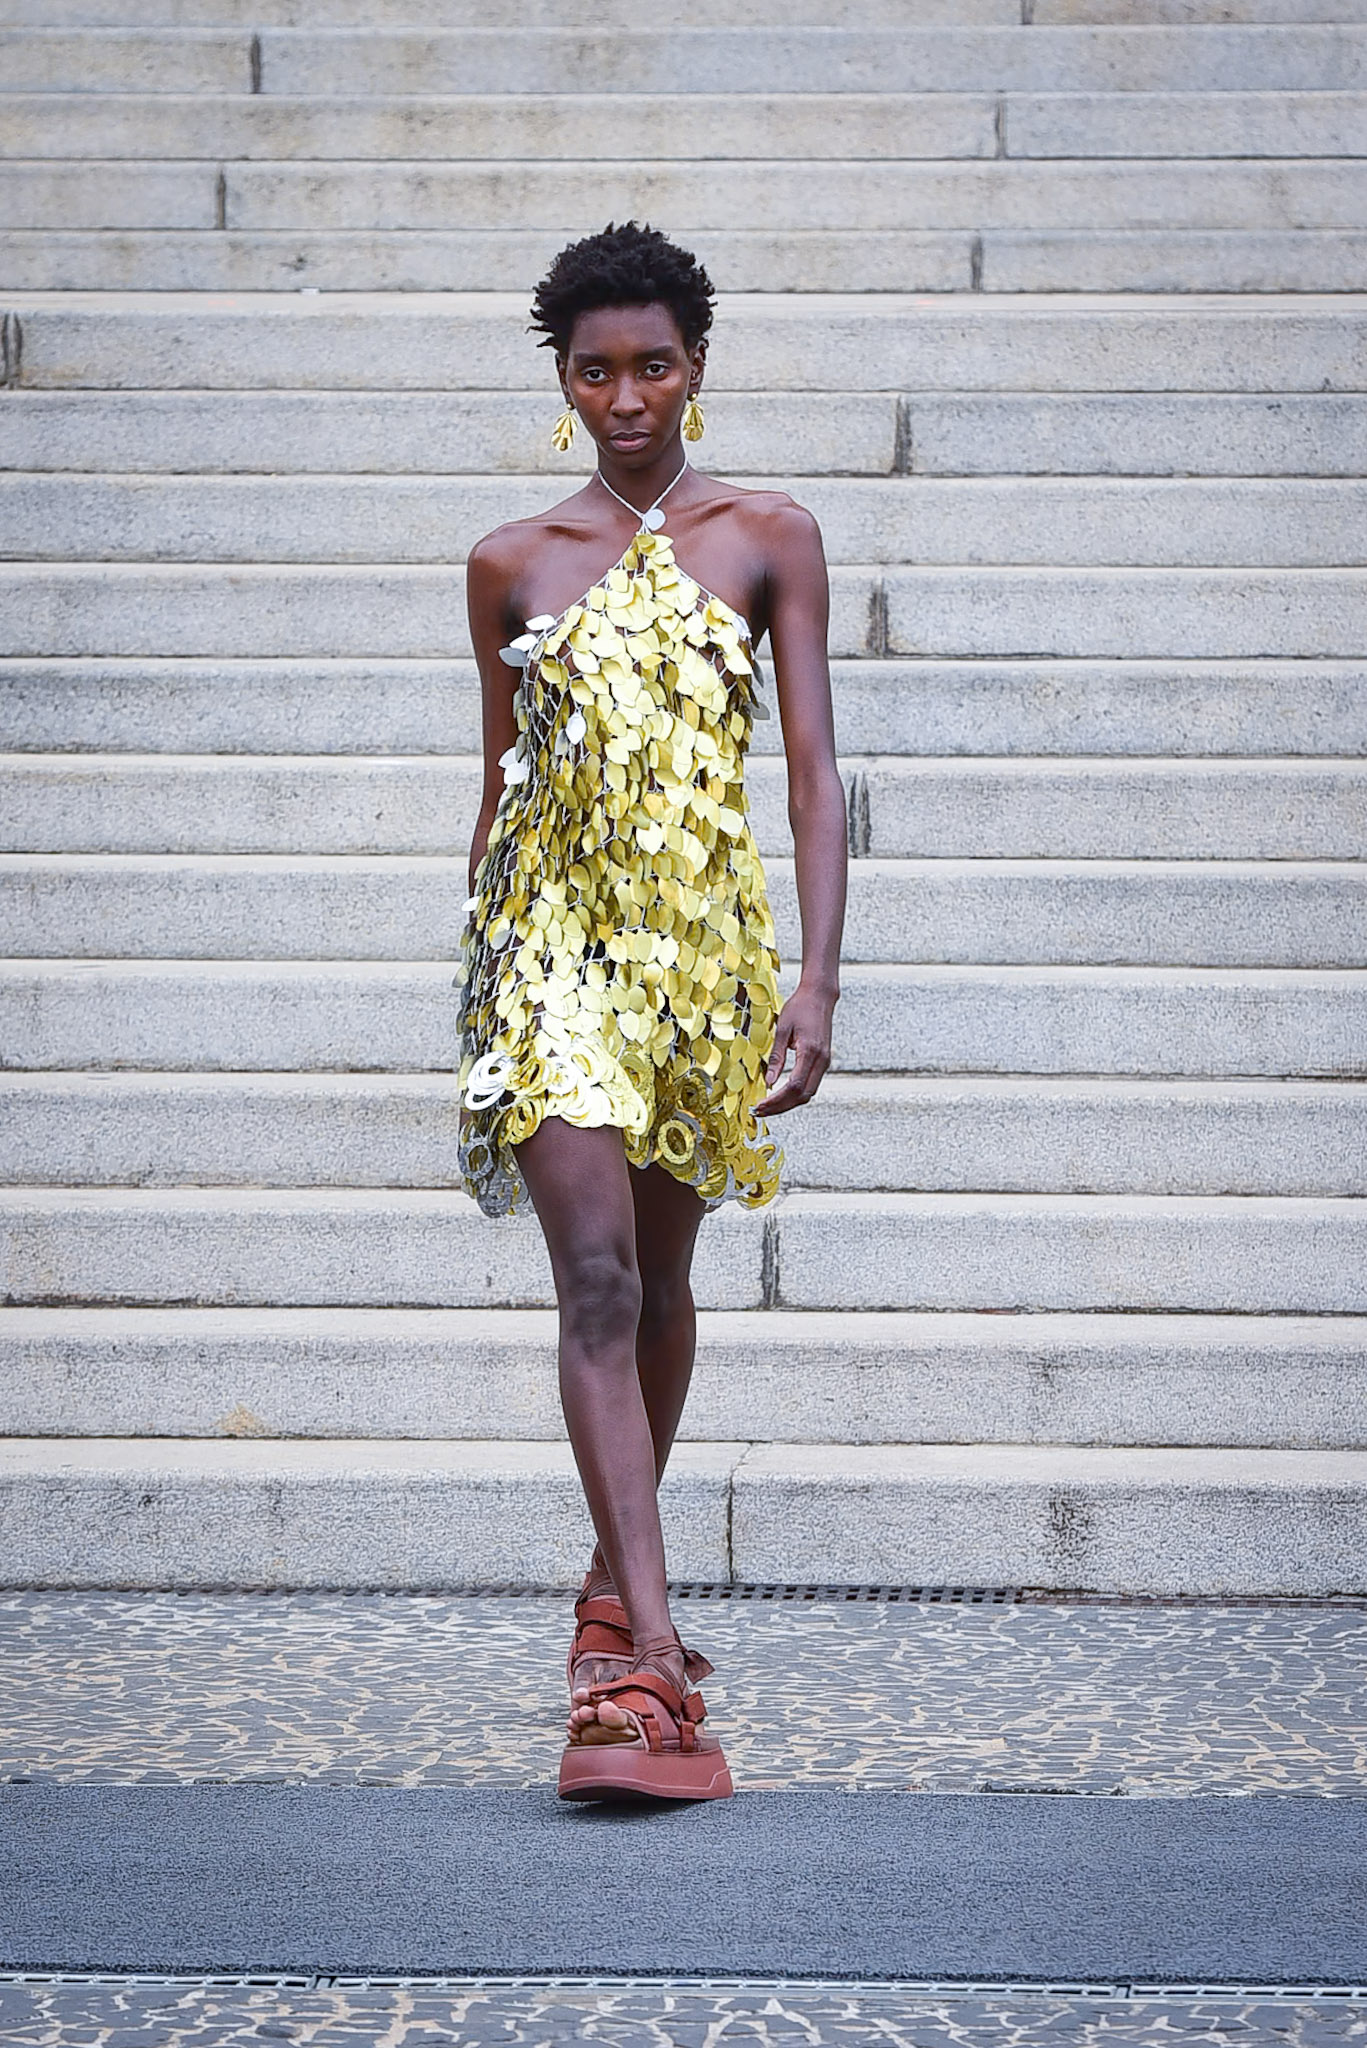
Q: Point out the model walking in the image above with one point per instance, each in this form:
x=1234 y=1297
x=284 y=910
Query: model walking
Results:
x=621 y=1031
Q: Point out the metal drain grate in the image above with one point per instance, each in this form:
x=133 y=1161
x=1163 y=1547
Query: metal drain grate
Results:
x=1041 y=1597
x=770 y=1594
x=863 y=1596
x=1119 y=1989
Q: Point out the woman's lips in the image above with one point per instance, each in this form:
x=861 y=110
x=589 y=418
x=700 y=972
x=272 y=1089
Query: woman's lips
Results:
x=634 y=439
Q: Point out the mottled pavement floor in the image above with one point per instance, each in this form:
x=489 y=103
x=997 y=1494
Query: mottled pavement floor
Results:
x=1154 y=1699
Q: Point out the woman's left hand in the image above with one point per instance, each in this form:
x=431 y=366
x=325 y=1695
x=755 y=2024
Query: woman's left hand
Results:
x=804 y=1029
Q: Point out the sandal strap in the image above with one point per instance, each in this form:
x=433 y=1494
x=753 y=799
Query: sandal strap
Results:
x=601 y=1625
x=641 y=1681
x=601 y=1629
x=644 y=1693
x=636 y=1698
x=592 y=1639
x=696 y=1666
x=603 y=1608
x=600 y=1607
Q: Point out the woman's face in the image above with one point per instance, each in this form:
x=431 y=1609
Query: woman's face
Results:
x=628 y=376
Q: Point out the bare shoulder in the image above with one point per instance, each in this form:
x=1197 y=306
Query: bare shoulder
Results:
x=499 y=553
x=491 y=558
x=775 y=524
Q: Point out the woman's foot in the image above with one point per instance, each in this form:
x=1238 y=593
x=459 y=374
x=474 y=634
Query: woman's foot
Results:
x=602 y=1646
x=604 y=1722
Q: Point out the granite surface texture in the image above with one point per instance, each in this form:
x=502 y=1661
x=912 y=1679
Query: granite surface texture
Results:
x=207 y=2015
x=397 y=1689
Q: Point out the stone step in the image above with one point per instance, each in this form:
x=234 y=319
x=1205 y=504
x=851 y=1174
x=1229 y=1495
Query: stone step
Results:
x=139 y=1513
x=961 y=808
x=505 y=261
x=442 y=14
x=1168 y=809
x=419 y=1516
x=284 y=1245
x=579 y=127
x=1130 y=434
x=120 y=59
x=479 y=433
x=530 y=59
x=905 y=58
x=857 y=198
x=1176 y=12
x=709 y=14
x=404 y=15
x=399 y=610
x=255 y=610
x=1005 y=1136
x=348 y=907
x=320 y=1015
x=1204 y=613
x=882 y=1377
x=237 y=804
x=1150 y=1521
x=720 y=126
x=794 y=261
x=1178 y=124
x=1254 y=1254
x=748 y=433
x=866 y=342
x=389 y=1248
x=1047 y=522
x=1001 y=707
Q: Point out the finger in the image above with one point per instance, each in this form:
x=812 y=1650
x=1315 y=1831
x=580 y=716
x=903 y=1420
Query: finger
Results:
x=799 y=1086
x=788 y=1095
x=785 y=1090
x=778 y=1103
x=783 y=1038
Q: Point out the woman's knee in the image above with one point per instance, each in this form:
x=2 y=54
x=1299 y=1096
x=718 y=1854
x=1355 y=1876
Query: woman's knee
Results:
x=599 y=1292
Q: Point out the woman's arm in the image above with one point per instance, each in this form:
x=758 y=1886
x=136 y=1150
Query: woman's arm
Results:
x=486 y=601
x=798 y=605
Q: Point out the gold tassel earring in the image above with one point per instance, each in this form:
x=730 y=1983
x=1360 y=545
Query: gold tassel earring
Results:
x=694 y=426
x=562 y=433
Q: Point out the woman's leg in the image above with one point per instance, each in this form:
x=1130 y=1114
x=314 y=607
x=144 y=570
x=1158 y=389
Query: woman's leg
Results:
x=580 y=1186
x=668 y=1213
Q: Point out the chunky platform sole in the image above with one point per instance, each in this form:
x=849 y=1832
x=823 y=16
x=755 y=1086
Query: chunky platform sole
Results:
x=609 y=1771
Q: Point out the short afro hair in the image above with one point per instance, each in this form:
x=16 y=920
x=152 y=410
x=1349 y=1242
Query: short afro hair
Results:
x=630 y=265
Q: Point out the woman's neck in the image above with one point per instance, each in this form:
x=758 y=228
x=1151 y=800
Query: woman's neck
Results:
x=641 y=486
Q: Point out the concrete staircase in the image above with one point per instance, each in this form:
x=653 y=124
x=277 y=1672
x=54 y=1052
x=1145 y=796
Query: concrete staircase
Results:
x=1053 y=321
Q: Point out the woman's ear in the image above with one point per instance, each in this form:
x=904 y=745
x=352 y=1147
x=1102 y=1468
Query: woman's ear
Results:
x=697 y=363
x=560 y=373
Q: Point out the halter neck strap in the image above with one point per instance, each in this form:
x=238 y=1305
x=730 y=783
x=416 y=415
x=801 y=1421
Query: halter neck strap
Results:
x=652 y=519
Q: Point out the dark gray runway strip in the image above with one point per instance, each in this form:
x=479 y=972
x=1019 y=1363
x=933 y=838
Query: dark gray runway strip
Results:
x=357 y=1880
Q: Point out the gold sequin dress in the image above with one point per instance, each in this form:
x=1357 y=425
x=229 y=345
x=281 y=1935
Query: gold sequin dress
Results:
x=618 y=966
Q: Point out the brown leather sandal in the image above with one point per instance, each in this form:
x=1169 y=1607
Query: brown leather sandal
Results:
x=601 y=1629
x=668 y=1760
